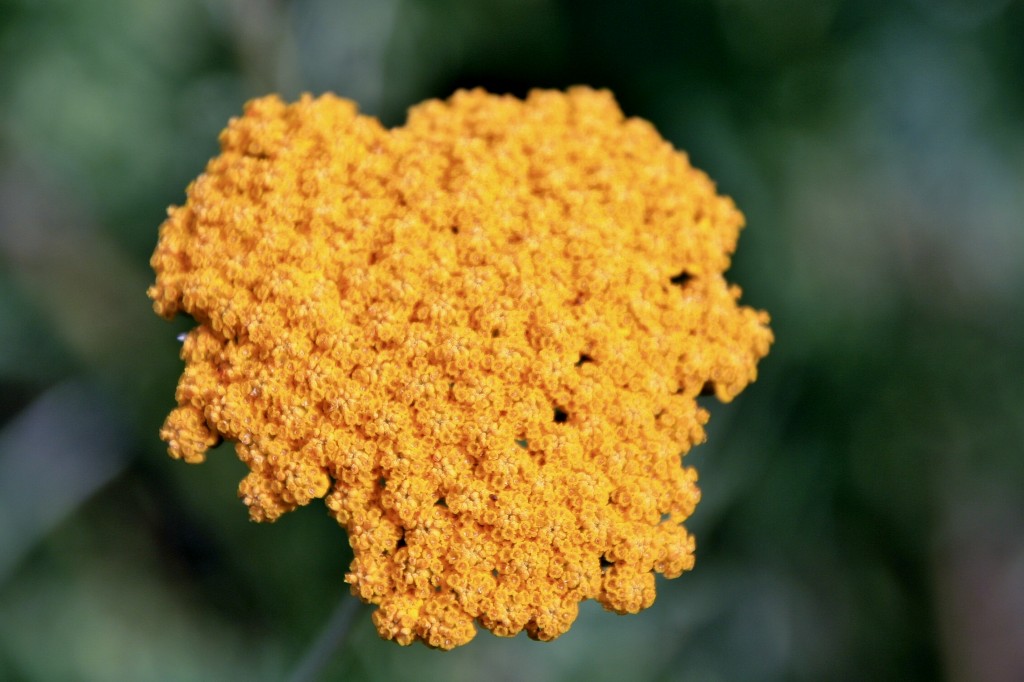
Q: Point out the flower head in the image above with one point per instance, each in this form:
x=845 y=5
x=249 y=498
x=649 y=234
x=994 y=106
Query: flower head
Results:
x=478 y=337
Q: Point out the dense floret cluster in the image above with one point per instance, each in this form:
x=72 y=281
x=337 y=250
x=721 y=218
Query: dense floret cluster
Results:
x=478 y=337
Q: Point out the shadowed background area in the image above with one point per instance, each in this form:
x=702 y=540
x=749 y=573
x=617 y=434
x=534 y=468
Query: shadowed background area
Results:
x=863 y=509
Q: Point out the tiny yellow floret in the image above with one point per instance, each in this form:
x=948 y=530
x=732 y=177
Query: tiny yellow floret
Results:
x=479 y=338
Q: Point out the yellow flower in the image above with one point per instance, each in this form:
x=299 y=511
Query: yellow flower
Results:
x=478 y=337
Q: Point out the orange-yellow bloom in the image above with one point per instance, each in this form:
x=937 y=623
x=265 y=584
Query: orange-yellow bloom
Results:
x=478 y=337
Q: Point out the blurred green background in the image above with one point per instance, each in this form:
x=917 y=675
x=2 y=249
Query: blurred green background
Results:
x=863 y=511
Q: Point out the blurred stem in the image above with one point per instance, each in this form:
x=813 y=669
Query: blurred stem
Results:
x=331 y=640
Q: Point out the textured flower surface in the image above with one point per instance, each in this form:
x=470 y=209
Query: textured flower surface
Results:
x=478 y=337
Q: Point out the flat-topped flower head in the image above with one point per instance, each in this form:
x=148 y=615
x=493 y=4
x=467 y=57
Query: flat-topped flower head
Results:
x=479 y=338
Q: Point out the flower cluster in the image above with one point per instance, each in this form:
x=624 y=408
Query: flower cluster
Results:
x=479 y=337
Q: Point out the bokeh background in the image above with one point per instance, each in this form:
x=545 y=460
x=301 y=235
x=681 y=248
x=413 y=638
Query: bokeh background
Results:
x=863 y=510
